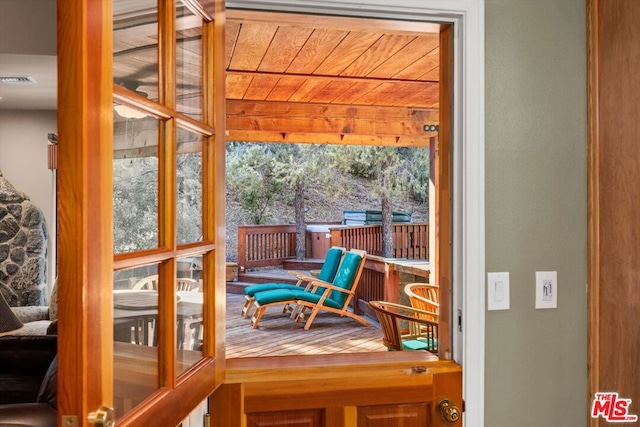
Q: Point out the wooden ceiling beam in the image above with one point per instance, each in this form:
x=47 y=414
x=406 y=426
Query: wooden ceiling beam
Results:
x=329 y=138
x=306 y=110
x=329 y=79
x=303 y=118
x=340 y=126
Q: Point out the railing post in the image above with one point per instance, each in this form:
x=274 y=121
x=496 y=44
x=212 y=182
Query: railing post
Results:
x=336 y=237
x=391 y=283
x=242 y=248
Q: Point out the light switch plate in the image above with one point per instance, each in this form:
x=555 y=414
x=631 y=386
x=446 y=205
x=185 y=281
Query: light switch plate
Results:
x=498 y=291
x=546 y=289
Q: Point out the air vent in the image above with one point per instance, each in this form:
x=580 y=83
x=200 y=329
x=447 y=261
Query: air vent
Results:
x=17 y=80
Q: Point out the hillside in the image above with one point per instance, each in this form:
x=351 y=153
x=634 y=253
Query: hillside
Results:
x=323 y=204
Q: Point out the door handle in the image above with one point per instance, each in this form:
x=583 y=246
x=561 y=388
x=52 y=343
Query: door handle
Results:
x=448 y=411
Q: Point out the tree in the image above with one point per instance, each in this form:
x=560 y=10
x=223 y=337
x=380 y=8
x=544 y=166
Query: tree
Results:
x=303 y=165
x=251 y=177
x=135 y=204
x=189 y=197
x=396 y=171
x=257 y=174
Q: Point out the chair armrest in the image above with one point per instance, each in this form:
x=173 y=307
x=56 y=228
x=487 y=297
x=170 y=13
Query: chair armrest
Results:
x=302 y=277
x=312 y=283
x=31 y=313
x=328 y=287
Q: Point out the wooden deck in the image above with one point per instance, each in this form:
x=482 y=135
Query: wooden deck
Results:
x=278 y=335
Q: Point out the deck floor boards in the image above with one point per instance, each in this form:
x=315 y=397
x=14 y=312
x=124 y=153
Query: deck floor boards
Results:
x=279 y=335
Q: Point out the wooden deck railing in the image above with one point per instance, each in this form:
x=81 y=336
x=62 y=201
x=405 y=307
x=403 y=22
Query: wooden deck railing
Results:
x=380 y=281
x=410 y=240
x=265 y=245
x=270 y=245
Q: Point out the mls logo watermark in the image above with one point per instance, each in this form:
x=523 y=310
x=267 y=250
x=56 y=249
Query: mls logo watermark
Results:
x=612 y=408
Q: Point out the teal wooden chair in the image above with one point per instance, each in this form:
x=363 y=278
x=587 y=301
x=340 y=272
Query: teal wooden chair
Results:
x=319 y=295
x=327 y=273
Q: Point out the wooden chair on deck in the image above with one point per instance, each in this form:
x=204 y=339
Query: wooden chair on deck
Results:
x=405 y=328
x=327 y=273
x=333 y=297
x=426 y=297
x=150 y=283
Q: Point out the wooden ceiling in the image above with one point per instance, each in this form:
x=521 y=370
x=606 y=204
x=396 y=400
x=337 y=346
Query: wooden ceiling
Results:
x=318 y=79
x=303 y=78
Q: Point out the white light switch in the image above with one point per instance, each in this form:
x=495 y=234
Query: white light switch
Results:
x=546 y=289
x=498 y=291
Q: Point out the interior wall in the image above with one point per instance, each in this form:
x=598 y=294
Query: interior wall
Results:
x=23 y=160
x=536 y=210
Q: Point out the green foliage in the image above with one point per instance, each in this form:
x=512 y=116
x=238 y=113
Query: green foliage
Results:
x=135 y=204
x=418 y=177
x=304 y=164
x=135 y=201
x=394 y=169
x=259 y=174
x=252 y=179
x=357 y=161
x=189 y=197
x=256 y=175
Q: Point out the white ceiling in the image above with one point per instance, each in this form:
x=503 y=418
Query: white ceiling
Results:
x=28 y=48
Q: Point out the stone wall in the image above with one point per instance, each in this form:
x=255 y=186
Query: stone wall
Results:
x=23 y=248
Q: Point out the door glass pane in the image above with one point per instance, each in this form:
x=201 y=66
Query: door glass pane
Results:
x=135 y=184
x=188 y=62
x=189 y=187
x=189 y=312
x=135 y=46
x=135 y=349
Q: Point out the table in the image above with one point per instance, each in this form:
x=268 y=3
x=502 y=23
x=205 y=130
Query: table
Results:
x=135 y=314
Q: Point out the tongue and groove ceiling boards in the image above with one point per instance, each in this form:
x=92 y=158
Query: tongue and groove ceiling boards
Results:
x=309 y=79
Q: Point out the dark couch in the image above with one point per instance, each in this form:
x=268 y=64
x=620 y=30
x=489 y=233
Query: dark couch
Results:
x=28 y=380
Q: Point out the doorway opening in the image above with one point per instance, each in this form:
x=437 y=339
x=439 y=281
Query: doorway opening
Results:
x=342 y=81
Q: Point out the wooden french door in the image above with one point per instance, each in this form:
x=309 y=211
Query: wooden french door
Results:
x=178 y=120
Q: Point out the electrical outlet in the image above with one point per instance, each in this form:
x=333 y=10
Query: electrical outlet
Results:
x=546 y=289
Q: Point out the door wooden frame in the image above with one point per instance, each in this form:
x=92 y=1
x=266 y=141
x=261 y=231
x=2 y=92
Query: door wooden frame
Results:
x=85 y=181
x=593 y=205
x=612 y=207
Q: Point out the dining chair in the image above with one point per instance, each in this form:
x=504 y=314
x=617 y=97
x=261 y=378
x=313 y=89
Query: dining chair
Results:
x=150 y=283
